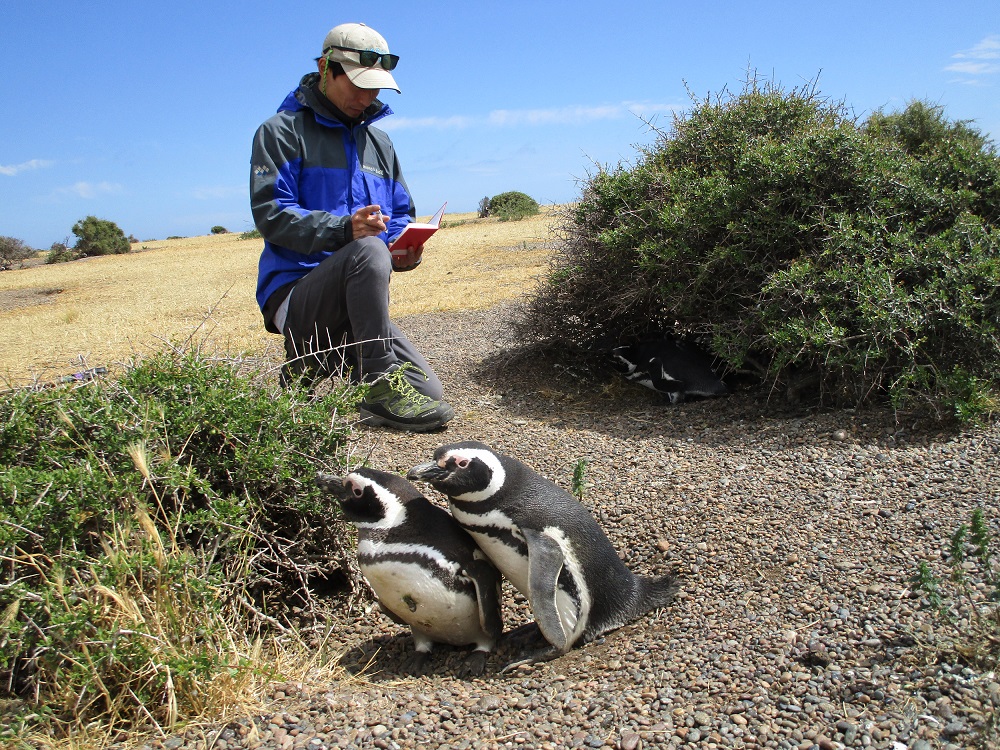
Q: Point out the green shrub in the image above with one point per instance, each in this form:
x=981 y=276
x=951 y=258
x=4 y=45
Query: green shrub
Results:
x=252 y=234
x=798 y=244
x=147 y=521
x=60 y=252
x=99 y=237
x=13 y=252
x=967 y=601
x=511 y=206
x=217 y=229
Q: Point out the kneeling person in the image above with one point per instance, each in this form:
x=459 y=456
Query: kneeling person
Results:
x=327 y=195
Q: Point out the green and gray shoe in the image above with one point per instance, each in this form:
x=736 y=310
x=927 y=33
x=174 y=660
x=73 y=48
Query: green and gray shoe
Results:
x=394 y=402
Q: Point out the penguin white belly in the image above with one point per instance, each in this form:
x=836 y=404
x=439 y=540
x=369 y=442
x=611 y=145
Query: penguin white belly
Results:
x=507 y=560
x=424 y=602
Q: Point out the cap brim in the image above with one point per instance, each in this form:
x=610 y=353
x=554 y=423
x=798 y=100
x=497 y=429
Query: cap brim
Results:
x=370 y=78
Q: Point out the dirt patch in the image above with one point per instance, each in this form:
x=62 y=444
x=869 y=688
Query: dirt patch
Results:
x=12 y=299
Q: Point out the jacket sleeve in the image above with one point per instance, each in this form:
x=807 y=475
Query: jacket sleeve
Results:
x=276 y=162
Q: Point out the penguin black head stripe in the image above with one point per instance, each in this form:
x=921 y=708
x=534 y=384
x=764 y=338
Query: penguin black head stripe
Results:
x=544 y=541
x=425 y=569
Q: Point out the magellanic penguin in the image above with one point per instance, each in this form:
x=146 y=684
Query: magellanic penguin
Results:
x=674 y=368
x=425 y=569
x=545 y=542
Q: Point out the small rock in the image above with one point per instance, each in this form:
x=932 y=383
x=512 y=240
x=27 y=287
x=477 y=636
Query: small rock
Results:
x=953 y=728
x=629 y=741
x=849 y=730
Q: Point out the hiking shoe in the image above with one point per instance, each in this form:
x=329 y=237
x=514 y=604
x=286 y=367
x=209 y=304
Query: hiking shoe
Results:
x=396 y=403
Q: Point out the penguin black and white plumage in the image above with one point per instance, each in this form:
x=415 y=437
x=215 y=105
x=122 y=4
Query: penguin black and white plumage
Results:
x=425 y=569
x=671 y=367
x=545 y=542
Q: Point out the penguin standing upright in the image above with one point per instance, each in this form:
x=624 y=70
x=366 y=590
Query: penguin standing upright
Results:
x=425 y=569
x=545 y=542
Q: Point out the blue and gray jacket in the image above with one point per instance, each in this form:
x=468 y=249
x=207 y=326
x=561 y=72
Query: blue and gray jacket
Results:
x=309 y=173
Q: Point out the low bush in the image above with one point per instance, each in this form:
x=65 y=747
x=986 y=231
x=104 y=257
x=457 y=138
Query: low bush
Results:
x=217 y=229
x=151 y=528
x=60 y=252
x=511 y=206
x=13 y=253
x=967 y=599
x=252 y=234
x=99 y=237
x=800 y=244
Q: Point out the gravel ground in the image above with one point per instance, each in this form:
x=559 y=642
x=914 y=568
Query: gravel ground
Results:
x=794 y=534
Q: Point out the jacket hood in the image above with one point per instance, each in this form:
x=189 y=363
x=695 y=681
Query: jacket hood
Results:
x=306 y=97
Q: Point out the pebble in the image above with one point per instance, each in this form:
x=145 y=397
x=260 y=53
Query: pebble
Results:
x=794 y=627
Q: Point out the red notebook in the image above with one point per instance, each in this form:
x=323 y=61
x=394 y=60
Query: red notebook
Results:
x=415 y=234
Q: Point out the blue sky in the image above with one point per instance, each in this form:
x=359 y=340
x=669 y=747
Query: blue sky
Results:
x=143 y=113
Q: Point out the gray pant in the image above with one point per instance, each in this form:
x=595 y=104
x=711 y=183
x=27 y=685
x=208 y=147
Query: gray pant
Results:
x=338 y=320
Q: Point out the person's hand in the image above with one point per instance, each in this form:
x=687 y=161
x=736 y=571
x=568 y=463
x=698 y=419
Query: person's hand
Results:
x=408 y=259
x=368 y=221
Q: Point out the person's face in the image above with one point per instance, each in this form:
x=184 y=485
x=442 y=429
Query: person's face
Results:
x=347 y=97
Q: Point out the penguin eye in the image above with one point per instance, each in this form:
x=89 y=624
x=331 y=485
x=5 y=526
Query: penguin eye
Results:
x=462 y=463
x=357 y=491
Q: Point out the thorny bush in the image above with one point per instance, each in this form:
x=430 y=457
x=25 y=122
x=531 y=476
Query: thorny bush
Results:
x=799 y=244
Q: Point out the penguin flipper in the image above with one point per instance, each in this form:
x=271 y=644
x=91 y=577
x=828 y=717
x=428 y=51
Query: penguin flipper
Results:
x=486 y=579
x=545 y=562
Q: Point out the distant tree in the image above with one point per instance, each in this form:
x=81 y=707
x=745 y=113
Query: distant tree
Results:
x=60 y=252
x=99 y=237
x=13 y=252
x=512 y=205
x=218 y=229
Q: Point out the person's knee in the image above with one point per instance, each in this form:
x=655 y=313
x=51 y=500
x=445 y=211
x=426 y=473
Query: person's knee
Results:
x=371 y=255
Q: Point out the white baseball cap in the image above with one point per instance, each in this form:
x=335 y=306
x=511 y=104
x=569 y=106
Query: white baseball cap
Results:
x=364 y=55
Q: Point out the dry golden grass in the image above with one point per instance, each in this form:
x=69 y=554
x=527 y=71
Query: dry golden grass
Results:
x=105 y=310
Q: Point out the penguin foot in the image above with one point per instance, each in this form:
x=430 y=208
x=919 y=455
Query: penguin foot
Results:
x=416 y=664
x=542 y=655
x=474 y=664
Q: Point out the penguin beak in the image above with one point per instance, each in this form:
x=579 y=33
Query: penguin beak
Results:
x=330 y=483
x=428 y=472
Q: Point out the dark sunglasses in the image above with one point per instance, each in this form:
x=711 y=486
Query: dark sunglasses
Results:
x=368 y=58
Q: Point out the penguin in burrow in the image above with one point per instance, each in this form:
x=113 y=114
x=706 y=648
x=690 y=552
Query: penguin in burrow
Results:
x=545 y=542
x=426 y=571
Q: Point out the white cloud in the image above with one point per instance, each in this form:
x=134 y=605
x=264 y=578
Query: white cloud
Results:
x=555 y=116
x=987 y=49
x=974 y=68
x=90 y=189
x=512 y=118
x=978 y=60
x=25 y=166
